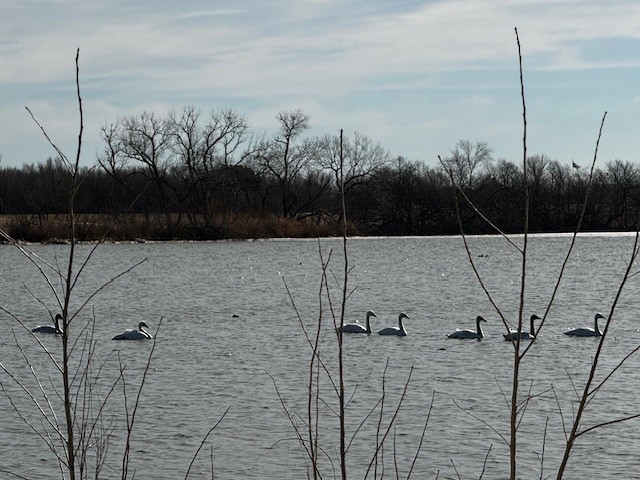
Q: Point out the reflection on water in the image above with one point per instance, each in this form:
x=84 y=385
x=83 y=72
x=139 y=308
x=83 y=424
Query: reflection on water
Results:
x=228 y=326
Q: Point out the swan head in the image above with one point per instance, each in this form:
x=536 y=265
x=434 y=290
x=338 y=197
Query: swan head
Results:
x=599 y=315
x=142 y=325
x=402 y=315
x=480 y=319
x=534 y=317
x=370 y=314
x=58 y=323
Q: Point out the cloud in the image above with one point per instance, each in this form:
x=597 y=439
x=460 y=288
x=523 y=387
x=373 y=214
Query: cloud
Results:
x=350 y=60
x=307 y=45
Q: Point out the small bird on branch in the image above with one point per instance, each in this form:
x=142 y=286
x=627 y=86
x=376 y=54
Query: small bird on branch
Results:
x=575 y=165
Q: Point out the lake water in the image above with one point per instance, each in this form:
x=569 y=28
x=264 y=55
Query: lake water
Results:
x=228 y=328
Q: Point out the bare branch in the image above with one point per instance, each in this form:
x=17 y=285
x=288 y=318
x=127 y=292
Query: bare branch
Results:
x=204 y=440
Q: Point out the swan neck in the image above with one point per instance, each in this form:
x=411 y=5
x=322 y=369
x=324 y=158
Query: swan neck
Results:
x=533 y=328
x=479 y=328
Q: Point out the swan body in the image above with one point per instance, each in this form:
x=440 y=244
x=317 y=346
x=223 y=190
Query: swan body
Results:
x=139 y=334
x=464 y=334
x=530 y=335
x=54 y=329
x=586 y=331
x=398 y=331
x=357 y=327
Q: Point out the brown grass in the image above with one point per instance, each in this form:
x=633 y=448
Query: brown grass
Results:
x=140 y=227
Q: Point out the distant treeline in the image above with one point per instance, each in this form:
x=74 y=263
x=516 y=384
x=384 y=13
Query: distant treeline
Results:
x=209 y=178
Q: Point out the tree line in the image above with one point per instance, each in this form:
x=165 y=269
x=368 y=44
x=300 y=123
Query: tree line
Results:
x=196 y=174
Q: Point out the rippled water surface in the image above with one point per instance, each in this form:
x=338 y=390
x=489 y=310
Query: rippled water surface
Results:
x=230 y=338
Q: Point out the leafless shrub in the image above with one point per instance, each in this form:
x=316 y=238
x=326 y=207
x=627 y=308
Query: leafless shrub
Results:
x=67 y=412
x=517 y=403
x=308 y=427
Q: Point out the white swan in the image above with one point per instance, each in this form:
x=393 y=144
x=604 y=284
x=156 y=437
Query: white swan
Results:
x=469 y=333
x=357 y=327
x=524 y=335
x=139 y=334
x=55 y=328
x=398 y=331
x=586 y=331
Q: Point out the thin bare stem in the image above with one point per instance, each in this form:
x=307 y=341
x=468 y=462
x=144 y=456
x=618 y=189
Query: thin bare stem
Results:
x=598 y=387
x=306 y=333
x=484 y=464
x=455 y=469
x=363 y=421
x=395 y=453
x=544 y=444
x=424 y=431
x=564 y=424
x=341 y=394
x=610 y=422
x=308 y=448
x=391 y=422
x=132 y=418
x=204 y=440
x=2 y=470
x=484 y=422
x=513 y=443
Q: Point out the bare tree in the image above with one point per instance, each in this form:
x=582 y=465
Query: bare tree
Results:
x=537 y=173
x=144 y=141
x=187 y=139
x=620 y=181
x=228 y=140
x=362 y=158
x=560 y=179
x=284 y=157
x=465 y=159
x=201 y=151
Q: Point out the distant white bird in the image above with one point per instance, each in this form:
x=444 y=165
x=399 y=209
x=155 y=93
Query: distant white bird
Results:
x=55 y=329
x=398 y=331
x=464 y=334
x=586 y=331
x=357 y=327
x=524 y=335
x=139 y=334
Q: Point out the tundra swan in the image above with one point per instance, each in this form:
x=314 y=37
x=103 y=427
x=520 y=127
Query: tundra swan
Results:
x=524 y=335
x=357 y=327
x=55 y=328
x=469 y=333
x=586 y=331
x=139 y=334
x=399 y=330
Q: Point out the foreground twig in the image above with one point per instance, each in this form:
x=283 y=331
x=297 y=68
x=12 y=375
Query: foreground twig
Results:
x=203 y=442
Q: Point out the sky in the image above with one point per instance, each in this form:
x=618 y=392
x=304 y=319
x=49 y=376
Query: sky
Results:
x=415 y=76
